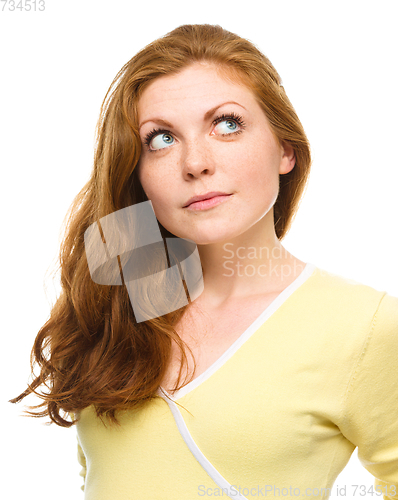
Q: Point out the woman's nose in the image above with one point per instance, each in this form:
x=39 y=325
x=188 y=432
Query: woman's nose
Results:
x=197 y=158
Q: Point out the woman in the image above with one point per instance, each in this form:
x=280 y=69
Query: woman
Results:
x=289 y=368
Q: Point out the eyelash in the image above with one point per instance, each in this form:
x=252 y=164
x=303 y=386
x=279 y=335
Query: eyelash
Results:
x=223 y=117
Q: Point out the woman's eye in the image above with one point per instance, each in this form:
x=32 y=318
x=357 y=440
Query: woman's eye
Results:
x=162 y=141
x=223 y=125
x=227 y=127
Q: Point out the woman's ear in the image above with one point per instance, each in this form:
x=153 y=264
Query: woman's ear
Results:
x=288 y=159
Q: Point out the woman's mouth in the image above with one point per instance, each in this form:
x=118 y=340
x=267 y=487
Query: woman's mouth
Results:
x=209 y=203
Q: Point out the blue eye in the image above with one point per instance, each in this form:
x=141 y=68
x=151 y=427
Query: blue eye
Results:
x=161 y=141
x=230 y=123
x=158 y=139
x=227 y=126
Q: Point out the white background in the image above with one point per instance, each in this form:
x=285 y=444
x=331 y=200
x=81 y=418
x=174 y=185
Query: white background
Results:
x=338 y=63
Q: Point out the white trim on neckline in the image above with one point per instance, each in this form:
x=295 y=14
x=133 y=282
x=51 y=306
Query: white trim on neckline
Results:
x=220 y=480
x=269 y=310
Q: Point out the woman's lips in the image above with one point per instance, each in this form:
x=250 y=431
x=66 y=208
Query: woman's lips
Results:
x=205 y=204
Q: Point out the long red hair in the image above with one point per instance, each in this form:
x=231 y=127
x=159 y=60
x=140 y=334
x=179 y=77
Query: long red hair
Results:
x=92 y=351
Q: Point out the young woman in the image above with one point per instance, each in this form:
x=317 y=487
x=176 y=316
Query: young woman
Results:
x=266 y=381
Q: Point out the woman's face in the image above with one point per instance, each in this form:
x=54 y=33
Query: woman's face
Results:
x=217 y=138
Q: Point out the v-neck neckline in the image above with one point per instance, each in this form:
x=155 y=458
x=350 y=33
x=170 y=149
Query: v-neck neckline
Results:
x=257 y=323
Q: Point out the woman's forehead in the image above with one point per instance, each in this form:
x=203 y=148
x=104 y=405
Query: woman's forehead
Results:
x=200 y=70
x=194 y=82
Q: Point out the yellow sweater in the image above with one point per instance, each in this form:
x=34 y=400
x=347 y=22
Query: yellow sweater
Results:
x=278 y=414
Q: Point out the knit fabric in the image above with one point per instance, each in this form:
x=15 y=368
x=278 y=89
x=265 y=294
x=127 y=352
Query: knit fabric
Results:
x=280 y=415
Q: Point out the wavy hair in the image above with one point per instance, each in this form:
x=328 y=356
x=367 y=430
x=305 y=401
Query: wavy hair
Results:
x=92 y=351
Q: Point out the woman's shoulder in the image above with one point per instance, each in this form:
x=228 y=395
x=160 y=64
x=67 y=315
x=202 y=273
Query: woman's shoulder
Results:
x=337 y=283
x=345 y=296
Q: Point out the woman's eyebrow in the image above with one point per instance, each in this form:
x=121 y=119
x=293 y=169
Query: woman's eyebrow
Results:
x=207 y=115
x=211 y=111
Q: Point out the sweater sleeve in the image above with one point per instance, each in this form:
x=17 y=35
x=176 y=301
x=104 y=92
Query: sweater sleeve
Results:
x=370 y=419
